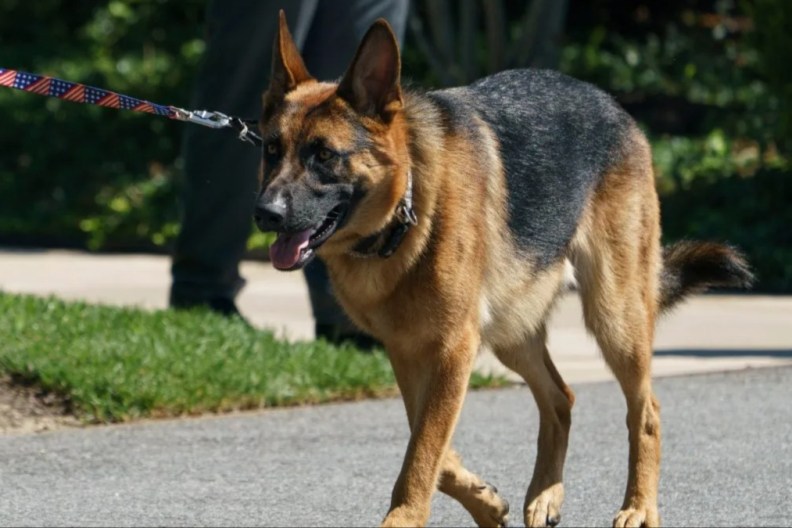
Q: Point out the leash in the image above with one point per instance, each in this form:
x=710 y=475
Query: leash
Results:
x=81 y=93
x=383 y=244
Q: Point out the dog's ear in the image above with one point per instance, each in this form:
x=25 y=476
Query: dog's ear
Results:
x=371 y=84
x=288 y=68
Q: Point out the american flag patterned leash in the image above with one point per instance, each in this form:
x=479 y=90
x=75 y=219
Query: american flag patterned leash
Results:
x=81 y=93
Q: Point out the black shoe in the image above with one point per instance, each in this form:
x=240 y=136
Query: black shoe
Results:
x=332 y=334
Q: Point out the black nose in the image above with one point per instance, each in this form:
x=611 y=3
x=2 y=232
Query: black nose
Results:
x=269 y=216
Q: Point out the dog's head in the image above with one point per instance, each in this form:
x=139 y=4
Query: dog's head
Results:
x=334 y=155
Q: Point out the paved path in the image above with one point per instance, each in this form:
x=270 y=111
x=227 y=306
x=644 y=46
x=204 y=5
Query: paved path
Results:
x=727 y=451
x=708 y=333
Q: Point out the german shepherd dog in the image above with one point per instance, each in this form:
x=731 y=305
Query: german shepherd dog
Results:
x=445 y=220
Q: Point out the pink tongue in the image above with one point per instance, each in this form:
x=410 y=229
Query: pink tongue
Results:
x=285 y=252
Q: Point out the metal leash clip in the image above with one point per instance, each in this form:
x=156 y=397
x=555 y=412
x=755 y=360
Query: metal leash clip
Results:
x=245 y=133
x=203 y=117
x=219 y=120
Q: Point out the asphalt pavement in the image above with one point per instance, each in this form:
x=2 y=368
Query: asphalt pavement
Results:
x=727 y=461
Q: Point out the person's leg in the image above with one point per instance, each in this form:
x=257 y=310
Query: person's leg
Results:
x=331 y=43
x=338 y=28
x=220 y=171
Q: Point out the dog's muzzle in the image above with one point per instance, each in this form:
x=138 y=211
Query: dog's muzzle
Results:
x=294 y=248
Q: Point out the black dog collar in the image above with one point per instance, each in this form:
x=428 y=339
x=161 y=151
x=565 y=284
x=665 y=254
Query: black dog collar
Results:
x=386 y=242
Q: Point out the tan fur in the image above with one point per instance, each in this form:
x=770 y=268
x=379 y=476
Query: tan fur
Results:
x=617 y=257
x=458 y=280
x=432 y=339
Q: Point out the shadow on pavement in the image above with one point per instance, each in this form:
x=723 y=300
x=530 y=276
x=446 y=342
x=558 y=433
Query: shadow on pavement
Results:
x=713 y=353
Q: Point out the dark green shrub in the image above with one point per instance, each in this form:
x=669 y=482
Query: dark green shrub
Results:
x=709 y=81
x=82 y=173
x=752 y=213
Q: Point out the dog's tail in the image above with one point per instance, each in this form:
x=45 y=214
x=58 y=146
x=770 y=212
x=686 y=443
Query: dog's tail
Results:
x=691 y=267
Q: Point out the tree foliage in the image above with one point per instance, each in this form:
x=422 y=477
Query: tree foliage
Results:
x=708 y=80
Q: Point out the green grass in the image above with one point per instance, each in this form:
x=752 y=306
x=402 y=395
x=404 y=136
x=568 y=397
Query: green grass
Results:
x=118 y=364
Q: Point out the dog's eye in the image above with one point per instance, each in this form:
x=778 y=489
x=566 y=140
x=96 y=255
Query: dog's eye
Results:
x=272 y=149
x=324 y=154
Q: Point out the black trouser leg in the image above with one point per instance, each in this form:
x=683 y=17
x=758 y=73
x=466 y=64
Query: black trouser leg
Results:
x=220 y=171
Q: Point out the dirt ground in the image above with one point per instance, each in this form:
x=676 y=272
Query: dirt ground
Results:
x=27 y=410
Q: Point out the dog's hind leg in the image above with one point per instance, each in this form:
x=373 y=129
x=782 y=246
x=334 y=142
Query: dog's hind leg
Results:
x=554 y=398
x=433 y=385
x=617 y=258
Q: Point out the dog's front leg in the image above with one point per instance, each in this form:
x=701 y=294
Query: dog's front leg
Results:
x=433 y=380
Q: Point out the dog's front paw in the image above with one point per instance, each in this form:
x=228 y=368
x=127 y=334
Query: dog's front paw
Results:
x=489 y=509
x=637 y=517
x=545 y=508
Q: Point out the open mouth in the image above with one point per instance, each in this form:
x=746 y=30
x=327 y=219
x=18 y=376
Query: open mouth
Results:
x=294 y=250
